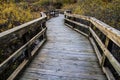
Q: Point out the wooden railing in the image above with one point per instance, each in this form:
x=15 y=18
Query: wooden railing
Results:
x=104 y=38
x=18 y=46
x=52 y=13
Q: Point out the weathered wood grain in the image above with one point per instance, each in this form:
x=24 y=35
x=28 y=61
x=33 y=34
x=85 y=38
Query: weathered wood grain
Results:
x=67 y=55
x=110 y=32
x=33 y=72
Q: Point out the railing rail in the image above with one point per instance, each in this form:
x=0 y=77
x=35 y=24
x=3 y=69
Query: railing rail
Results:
x=104 y=38
x=21 y=43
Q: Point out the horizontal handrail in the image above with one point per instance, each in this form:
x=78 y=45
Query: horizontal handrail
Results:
x=109 y=31
x=111 y=37
x=77 y=16
x=77 y=23
x=7 y=32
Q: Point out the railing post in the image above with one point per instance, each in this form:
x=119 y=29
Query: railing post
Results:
x=74 y=19
x=27 y=53
x=89 y=33
x=104 y=57
x=44 y=34
x=66 y=16
x=27 y=50
x=108 y=45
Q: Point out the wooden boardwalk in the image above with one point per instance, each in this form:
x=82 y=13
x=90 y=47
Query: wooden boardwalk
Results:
x=67 y=55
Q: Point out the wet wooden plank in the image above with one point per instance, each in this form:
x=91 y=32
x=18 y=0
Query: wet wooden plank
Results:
x=50 y=77
x=67 y=55
x=68 y=68
x=81 y=57
x=33 y=72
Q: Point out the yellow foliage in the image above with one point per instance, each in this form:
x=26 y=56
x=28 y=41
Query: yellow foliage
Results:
x=69 y=6
x=79 y=10
x=12 y=15
x=108 y=12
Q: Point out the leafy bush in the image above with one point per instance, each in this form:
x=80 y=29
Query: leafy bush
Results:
x=12 y=15
x=108 y=12
x=69 y=7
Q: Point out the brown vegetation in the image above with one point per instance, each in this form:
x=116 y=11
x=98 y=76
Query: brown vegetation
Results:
x=105 y=10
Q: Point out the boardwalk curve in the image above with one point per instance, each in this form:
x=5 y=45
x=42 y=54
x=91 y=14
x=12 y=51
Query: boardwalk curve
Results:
x=67 y=55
